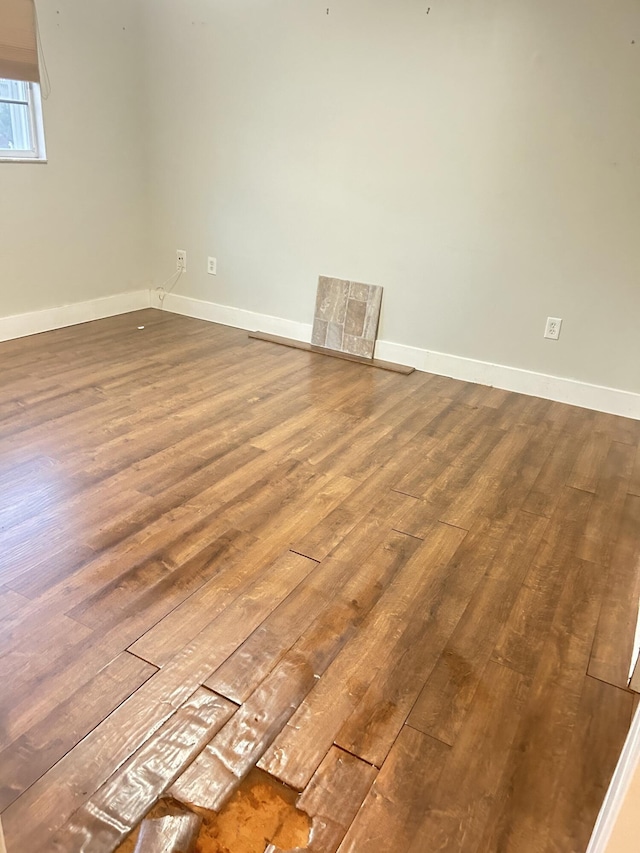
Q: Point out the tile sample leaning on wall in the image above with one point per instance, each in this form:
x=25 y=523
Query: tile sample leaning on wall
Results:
x=346 y=316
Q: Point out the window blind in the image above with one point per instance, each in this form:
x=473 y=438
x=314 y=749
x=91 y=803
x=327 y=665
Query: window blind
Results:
x=18 y=41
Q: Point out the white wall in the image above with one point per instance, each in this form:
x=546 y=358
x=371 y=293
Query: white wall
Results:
x=482 y=162
x=76 y=228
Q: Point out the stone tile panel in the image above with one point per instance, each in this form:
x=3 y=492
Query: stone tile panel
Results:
x=346 y=316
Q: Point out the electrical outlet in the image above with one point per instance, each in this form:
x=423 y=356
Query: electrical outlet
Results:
x=552 y=329
x=212 y=266
x=181 y=260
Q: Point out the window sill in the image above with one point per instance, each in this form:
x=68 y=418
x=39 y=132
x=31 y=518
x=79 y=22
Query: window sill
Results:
x=22 y=160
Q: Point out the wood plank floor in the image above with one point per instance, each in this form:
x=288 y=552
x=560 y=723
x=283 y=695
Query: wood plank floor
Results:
x=412 y=599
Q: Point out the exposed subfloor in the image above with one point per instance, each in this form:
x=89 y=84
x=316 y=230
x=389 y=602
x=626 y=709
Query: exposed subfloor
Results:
x=409 y=598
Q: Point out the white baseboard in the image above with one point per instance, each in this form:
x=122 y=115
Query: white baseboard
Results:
x=556 y=388
x=573 y=391
x=21 y=325
x=627 y=766
x=226 y=315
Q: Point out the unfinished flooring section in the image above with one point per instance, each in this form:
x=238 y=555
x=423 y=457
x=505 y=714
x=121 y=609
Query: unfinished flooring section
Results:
x=410 y=599
x=261 y=811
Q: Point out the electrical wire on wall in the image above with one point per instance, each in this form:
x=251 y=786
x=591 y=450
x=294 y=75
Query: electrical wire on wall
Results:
x=162 y=290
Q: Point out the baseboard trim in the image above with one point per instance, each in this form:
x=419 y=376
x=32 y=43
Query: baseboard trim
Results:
x=227 y=315
x=598 y=397
x=34 y=322
x=626 y=768
x=572 y=391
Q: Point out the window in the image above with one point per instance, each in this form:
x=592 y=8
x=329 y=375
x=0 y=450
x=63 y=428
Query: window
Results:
x=21 y=134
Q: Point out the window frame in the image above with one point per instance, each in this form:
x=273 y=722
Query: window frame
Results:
x=38 y=153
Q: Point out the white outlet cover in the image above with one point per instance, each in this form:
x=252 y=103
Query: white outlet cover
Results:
x=212 y=266
x=553 y=327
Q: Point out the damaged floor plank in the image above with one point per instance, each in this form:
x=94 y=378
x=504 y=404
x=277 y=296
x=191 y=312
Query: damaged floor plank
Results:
x=105 y=820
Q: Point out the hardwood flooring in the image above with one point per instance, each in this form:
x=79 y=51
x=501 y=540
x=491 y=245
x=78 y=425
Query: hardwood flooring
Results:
x=409 y=598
